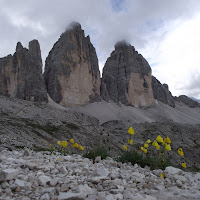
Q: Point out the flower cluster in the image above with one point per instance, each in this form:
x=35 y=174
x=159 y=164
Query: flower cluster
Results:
x=63 y=144
x=162 y=146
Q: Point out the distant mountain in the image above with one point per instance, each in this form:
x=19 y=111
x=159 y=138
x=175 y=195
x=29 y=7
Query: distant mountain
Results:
x=198 y=100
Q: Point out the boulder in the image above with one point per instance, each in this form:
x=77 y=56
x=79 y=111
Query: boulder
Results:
x=161 y=92
x=127 y=77
x=71 y=71
x=21 y=74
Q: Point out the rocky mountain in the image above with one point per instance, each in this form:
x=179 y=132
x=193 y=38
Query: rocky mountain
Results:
x=127 y=77
x=187 y=101
x=21 y=74
x=72 y=72
x=161 y=92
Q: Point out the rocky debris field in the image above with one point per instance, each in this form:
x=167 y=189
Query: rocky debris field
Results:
x=25 y=174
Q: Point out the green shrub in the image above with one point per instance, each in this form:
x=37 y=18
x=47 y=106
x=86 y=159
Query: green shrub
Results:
x=99 y=151
x=136 y=157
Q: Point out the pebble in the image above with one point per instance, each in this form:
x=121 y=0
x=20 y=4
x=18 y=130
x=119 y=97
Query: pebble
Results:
x=43 y=177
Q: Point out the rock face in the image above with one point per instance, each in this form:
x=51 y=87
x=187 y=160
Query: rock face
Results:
x=187 y=101
x=127 y=77
x=71 y=72
x=161 y=92
x=21 y=74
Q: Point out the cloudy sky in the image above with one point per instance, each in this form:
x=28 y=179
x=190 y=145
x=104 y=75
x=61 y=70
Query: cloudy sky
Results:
x=166 y=33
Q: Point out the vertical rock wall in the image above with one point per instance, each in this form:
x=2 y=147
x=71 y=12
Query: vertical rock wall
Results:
x=127 y=77
x=71 y=72
x=21 y=74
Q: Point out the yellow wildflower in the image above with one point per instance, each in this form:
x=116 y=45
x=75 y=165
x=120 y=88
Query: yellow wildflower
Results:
x=82 y=148
x=125 y=147
x=183 y=165
x=59 y=159
x=148 y=141
x=168 y=147
x=72 y=141
x=146 y=145
x=158 y=147
x=131 y=131
x=155 y=143
x=64 y=144
x=50 y=145
x=145 y=151
x=162 y=175
x=54 y=148
x=59 y=142
x=159 y=139
x=45 y=141
x=180 y=152
x=130 y=141
x=142 y=148
x=76 y=145
x=168 y=140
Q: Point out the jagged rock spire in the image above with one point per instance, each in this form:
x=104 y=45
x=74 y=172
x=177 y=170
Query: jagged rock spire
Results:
x=71 y=72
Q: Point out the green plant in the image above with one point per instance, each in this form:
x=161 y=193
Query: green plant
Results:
x=99 y=151
x=135 y=157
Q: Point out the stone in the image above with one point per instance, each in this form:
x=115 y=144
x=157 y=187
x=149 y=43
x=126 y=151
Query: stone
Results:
x=70 y=196
x=109 y=197
x=71 y=71
x=161 y=92
x=45 y=197
x=102 y=172
x=43 y=180
x=127 y=77
x=173 y=170
x=21 y=74
x=85 y=189
x=20 y=183
x=98 y=159
x=8 y=174
x=63 y=170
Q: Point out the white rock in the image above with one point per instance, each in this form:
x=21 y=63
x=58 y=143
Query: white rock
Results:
x=85 y=189
x=32 y=164
x=20 y=183
x=8 y=174
x=118 y=196
x=98 y=159
x=101 y=171
x=173 y=170
x=4 y=185
x=71 y=196
x=178 y=182
x=181 y=178
x=63 y=170
x=197 y=177
x=138 y=176
x=109 y=197
x=150 y=198
x=45 y=197
x=43 y=180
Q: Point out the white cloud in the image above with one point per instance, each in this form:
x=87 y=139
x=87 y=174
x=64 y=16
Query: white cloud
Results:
x=176 y=56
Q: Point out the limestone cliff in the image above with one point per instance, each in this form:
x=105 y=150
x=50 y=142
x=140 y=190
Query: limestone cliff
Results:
x=127 y=77
x=187 y=101
x=71 y=72
x=21 y=74
x=161 y=92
